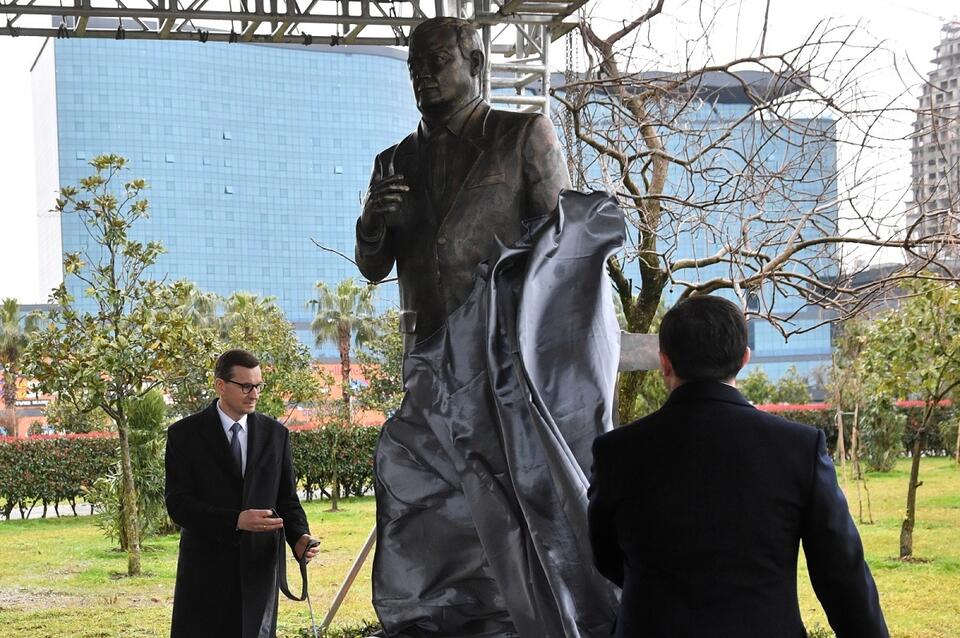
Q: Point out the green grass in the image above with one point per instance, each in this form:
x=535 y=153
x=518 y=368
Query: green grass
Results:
x=919 y=598
x=61 y=577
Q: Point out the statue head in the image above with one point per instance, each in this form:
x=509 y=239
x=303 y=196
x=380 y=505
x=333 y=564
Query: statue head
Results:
x=446 y=65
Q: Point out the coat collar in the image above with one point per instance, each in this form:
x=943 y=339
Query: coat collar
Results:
x=473 y=129
x=706 y=390
x=458 y=123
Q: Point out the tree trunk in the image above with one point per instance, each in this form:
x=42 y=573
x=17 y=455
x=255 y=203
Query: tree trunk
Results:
x=128 y=503
x=906 y=530
x=335 y=488
x=855 y=444
x=344 y=348
x=10 y=389
x=841 y=446
x=957 y=453
x=628 y=391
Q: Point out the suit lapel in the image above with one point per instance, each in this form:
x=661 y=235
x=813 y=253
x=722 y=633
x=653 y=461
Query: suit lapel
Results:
x=255 y=442
x=216 y=439
x=475 y=142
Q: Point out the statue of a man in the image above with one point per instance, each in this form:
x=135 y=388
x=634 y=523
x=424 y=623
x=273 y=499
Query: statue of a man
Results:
x=468 y=175
x=481 y=489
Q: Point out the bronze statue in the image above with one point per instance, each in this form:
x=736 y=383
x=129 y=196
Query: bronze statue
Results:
x=468 y=175
x=480 y=476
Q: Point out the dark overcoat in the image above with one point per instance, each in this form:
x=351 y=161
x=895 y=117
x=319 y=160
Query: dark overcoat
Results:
x=698 y=510
x=515 y=173
x=226 y=579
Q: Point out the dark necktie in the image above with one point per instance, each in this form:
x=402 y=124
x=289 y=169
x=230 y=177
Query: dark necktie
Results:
x=441 y=149
x=235 y=448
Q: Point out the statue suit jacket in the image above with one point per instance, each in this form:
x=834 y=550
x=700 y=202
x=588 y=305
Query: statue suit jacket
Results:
x=226 y=579
x=697 y=512
x=516 y=174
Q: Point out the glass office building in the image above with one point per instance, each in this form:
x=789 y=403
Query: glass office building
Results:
x=252 y=152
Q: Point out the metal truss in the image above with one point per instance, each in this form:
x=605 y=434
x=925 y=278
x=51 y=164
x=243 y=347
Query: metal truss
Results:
x=516 y=33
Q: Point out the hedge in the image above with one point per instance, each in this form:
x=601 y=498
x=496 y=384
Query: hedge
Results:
x=52 y=469
x=313 y=457
x=938 y=443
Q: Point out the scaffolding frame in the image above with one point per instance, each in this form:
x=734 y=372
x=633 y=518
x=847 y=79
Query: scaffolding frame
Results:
x=516 y=33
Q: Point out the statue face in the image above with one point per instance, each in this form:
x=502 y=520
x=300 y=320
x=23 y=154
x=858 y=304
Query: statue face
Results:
x=443 y=79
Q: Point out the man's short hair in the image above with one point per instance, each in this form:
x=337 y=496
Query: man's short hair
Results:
x=705 y=338
x=468 y=39
x=230 y=358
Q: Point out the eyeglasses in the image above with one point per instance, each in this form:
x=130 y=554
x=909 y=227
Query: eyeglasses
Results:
x=247 y=388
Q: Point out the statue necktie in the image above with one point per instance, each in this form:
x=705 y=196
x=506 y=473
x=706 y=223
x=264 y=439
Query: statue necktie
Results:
x=440 y=156
x=235 y=448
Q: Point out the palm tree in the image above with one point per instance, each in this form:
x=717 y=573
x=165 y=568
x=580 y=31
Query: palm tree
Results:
x=15 y=329
x=244 y=308
x=340 y=314
x=200 y=306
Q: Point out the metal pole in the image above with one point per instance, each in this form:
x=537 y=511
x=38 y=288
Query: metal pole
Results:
x=545 y=85
x=348 y=581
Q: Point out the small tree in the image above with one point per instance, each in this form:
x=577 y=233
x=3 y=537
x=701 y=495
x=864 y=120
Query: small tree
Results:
x=68 y=418
x=15 y=329
x=343 y=313
x=757 y=387
x=135 y=331
x=147 y=418
x=381 y=360
x=256 y=324
x=792 y=388
x=914 y=351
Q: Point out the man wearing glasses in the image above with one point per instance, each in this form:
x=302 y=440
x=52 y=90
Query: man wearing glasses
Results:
x=231 y=487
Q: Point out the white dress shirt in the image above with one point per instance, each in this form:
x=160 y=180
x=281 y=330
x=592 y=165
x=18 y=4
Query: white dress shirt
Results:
x=227 y=423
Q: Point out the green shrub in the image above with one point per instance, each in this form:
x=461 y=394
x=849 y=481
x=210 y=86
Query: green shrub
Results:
x=58 y=468
x=362 y=630
x=52 y=469
x=313 y=458
x=147 y=418
x=882 y=427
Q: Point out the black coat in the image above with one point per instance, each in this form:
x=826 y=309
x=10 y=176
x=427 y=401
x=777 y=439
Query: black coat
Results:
x=226 y=579
x=516 y=172
x=697 y=512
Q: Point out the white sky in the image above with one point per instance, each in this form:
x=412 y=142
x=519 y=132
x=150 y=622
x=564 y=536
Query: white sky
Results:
x=909 y=30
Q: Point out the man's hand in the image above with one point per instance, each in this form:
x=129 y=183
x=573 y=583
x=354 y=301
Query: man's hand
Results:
x=382 y=205
x=302 y=545
x=258 y=521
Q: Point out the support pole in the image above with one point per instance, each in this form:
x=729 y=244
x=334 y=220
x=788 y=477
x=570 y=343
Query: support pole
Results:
x=348 y=581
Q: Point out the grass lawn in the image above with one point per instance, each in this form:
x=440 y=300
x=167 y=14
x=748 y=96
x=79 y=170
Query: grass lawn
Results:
x=61 y=577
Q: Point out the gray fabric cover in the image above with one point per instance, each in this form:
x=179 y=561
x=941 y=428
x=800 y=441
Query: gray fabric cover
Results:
x=481 y=475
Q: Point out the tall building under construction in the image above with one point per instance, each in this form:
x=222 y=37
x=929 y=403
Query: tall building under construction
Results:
x=936 y=149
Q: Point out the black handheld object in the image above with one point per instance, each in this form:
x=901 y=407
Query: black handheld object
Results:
x=282 y=572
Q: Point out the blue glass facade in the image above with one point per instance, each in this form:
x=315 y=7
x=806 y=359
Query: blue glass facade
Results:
x=250 y=152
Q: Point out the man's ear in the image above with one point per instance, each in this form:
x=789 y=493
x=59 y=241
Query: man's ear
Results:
x=665 y=366
x=746 y=358
x=476 y=62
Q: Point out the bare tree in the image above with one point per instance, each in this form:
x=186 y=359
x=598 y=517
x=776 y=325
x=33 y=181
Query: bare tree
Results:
x=729 y=175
